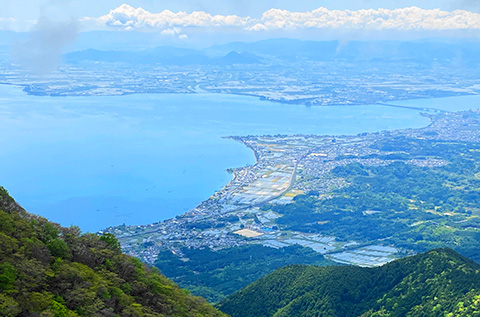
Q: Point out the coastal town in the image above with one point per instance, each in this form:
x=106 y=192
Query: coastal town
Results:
x=288 y=166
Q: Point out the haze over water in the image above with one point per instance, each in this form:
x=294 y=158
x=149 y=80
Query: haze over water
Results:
x=138 y=159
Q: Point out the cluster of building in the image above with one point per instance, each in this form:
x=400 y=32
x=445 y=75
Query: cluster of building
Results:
x=313 y=83
x=286 y=166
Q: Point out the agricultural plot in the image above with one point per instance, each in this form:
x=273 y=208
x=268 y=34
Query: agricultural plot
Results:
x=273 y=182
x=374 y=255
x=248 y=233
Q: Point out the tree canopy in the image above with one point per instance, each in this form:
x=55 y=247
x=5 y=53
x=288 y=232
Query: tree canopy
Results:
x=437 y=283
x=48 y=270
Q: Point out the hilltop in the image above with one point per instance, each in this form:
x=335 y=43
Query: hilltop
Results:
x=49 y=270
x=437 y=283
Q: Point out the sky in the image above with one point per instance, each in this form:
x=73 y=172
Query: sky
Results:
x=186 y=20
x=32 y=9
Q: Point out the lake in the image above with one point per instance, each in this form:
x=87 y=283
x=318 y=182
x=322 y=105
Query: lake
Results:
x=138 y=159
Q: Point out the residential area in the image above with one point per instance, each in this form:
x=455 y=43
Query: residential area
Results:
x=287 y=166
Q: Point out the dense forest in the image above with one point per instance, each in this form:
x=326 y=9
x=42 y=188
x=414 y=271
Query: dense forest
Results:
x=216 y=274
x=48 y=270
x=437 y=283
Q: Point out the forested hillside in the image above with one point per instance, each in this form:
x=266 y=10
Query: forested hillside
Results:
x=215 y=275
x=437 y=283
x=48 y=270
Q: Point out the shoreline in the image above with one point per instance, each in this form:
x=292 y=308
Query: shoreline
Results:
x=242 y=139
x=296 y=102
x=269 y=119
x=387 y=103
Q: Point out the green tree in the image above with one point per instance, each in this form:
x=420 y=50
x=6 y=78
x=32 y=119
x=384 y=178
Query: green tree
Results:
x=59 y=248
x=8 y=275
x=111 y=241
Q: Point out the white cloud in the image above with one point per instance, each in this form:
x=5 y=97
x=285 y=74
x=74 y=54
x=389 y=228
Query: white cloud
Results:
x=411 y=18
x=402 y=19
x=128 y=17
x=171 y=32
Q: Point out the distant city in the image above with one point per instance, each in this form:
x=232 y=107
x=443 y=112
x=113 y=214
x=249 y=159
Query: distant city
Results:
x=286 y=71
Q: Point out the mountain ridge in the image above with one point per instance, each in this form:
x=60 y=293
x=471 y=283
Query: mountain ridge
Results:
x=438 y=282
x=293 y=50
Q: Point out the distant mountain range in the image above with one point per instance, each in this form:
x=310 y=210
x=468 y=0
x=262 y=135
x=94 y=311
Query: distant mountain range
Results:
x=437 y=283
x=291 y=50
x=148 y=48
x=357 y=50
x=164 y=55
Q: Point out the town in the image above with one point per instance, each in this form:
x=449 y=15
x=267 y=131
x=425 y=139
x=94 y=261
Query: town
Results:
x=310 y=83
x=286 y=167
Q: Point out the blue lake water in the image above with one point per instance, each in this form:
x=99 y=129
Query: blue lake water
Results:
x=138 y=159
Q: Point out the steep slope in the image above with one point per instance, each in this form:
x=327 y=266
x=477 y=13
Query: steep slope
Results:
x=48 y=270
x=437 y=283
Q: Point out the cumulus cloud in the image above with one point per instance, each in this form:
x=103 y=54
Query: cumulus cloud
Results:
x=128 y=17
x=171 y=32
x=411 y=18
